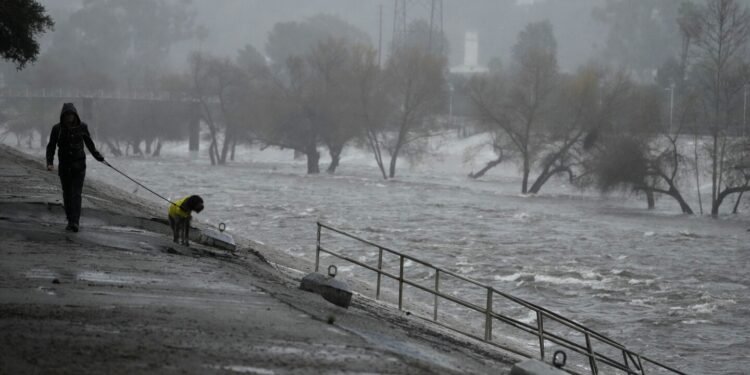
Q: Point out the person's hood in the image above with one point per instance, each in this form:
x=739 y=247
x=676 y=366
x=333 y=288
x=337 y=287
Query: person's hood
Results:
x=69 y=108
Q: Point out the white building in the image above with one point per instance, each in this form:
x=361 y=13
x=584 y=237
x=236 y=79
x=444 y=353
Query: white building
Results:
x=471 y=56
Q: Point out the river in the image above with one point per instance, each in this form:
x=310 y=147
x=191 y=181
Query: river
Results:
x=669 y=286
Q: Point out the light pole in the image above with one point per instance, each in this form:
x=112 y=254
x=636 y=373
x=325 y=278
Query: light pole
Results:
x=450 y=104
x=671 y=104
x=744 y=111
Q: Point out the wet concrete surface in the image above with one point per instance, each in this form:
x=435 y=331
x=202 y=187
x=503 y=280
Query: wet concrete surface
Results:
x=120 y=297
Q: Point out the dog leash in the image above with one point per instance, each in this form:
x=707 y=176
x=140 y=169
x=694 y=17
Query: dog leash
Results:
x=138 y=183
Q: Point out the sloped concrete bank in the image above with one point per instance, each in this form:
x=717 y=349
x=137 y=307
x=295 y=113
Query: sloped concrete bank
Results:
x=120 y=297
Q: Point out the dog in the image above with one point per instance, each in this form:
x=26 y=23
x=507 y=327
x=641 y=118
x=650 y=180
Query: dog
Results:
x=180 y=214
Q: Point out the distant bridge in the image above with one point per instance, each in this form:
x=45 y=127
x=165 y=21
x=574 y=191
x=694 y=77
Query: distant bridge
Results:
x=89 y=96
x=70 y=93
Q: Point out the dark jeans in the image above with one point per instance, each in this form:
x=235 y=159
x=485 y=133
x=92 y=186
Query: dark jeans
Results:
x=72 y=186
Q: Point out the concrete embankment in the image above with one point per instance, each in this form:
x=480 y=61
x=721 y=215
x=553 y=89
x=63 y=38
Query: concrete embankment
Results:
x=120 y=297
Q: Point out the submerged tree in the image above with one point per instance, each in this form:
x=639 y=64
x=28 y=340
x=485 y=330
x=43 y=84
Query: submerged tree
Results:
x=292 y=122
x=723 y=32
x=372 y=108
x=228 y=97
x=520 y=105
x=415 y=82
x=312 y=99
x=332 y=104
x=637 y=153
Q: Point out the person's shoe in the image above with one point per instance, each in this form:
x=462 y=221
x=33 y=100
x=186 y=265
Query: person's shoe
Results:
x=75 y=228
x=69 y=228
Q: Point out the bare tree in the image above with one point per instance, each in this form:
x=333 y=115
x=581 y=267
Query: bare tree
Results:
x=724 y=27
x=520 y=106
x=415 y=81
x=223 y=91
x=636 y=153
x=332 y=101
x=371 y=106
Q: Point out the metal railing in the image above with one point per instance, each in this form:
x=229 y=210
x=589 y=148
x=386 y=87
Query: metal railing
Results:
x=631 y=363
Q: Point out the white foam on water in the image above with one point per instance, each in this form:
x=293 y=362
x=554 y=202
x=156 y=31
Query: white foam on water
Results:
x=595 y=284
x=242 y=369
x=512 y=277
x=696 y=321
x=529 y=318
x=645 y=302
x=710 y=307
x=639 y=282
x=466 y=270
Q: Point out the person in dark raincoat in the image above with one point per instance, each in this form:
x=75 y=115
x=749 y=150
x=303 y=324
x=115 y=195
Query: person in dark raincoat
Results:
x=69 y=136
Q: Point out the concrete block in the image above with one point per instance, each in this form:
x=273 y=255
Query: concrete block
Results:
x=332 y=290
x=534 y=367
x=221 y=240
x=313 y=282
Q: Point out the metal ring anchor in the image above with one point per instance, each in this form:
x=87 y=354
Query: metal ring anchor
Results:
x=556 y=361
x=222 y=227
x=332 y=270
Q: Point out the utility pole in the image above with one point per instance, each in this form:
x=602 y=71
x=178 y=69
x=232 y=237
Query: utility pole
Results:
x=744 y=111
x=450 y=104
x=671 y=105
x=405 y=12
x=380 y=38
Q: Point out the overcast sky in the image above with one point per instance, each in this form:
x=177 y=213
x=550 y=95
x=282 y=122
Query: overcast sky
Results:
x=234 y=23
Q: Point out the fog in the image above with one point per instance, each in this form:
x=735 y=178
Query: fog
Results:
x=232 y=24
x=594 y=151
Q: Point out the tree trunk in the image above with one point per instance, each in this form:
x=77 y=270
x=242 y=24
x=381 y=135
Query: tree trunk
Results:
x=381 y=166
x=335 y=152
x=157 y=151
x=114 y=149
x=137 y=148
x=725 y=193
x=714 y=176
x=213 y=149
x=148 y=147
x=650 y=199
x=542 y=179
x=697 y=172
x=737 y=203
x=377 y=152
x=683 y=205
x=672 y=192
x=399 y=144
x=526 y=171
x=490 y=165
x=392 y=168
x=313 y=157
x=212 y=152
x=225 y=147
x=234 y=147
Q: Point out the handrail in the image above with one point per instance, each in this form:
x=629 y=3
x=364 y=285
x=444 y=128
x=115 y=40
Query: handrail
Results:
x=595 y=358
